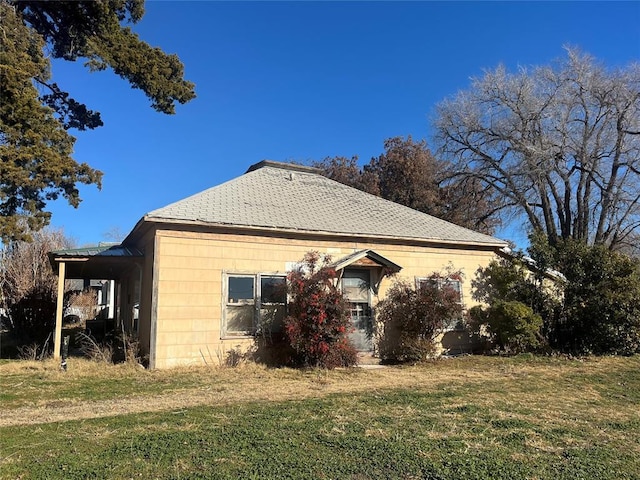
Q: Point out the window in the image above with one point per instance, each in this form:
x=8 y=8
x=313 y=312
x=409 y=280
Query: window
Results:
x=455 y=286
x=240 y=305
x=355 y=285
x=254 y=302
x=273 y=289
x=273 y=303
x=241 y=290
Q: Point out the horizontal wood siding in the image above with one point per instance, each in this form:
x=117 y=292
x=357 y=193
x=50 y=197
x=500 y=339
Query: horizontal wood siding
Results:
x=190 y=275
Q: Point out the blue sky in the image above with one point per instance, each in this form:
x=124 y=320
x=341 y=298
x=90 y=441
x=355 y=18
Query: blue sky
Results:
x=303 y=81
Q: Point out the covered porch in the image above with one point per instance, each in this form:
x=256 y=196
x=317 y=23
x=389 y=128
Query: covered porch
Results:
x=118 y=263
x=360 y=275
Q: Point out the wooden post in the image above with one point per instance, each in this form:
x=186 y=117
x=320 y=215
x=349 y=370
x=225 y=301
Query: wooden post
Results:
x=57 y=342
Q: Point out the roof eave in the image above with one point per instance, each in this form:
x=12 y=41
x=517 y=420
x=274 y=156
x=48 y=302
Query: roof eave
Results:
x=137 y=231
x=250 y=228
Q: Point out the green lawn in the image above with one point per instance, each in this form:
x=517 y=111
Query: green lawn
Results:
x=469 y=418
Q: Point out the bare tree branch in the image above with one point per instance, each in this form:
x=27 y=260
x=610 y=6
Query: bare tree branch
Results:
x=559 y=143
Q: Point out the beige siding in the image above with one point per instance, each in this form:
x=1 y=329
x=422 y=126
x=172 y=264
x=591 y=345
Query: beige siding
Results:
x=190 y=268
x=146 y=295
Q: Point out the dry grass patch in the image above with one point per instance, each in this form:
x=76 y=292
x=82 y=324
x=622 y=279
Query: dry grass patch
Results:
x=39 y=392
x=474 y=417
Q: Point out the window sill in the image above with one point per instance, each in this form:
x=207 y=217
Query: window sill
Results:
x=237 y=336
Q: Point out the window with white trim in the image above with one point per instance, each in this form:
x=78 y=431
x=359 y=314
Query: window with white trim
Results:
x=451 y=283
x=254 y=303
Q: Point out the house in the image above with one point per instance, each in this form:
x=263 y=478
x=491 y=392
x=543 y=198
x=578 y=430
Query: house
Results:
x=206 y=271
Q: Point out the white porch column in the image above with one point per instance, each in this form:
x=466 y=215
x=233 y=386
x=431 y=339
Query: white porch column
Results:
x=57 y=342
x=111 y=314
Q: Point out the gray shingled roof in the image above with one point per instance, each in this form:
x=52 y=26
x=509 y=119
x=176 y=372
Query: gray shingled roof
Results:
x=284 y=197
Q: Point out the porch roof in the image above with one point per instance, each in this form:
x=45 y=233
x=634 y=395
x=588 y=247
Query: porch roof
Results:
x=104 y=262
x=374 y=259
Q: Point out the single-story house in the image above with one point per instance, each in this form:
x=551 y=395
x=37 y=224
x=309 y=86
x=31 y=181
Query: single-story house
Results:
x=197 y=277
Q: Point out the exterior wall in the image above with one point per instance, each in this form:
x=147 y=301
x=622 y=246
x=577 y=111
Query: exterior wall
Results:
x=146 y=296
x=190 y=267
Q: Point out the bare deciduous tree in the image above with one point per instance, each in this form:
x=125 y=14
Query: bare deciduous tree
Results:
x=28 y=285
x=559 y=144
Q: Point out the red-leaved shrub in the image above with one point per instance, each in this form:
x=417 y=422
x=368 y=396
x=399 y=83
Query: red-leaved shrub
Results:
x=318 y=320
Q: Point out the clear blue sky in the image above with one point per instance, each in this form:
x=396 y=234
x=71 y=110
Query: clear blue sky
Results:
x=303 y=81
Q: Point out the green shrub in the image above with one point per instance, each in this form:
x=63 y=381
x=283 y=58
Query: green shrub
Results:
x=504 y=279
x=411 y=318
x=513 y=326
x=601 y=311
x=513 y=279
x=594 y=309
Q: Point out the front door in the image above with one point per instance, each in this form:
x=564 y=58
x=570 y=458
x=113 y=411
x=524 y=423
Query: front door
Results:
x=356 y=287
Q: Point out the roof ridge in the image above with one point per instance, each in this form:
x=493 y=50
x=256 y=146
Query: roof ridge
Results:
x=296 y=167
